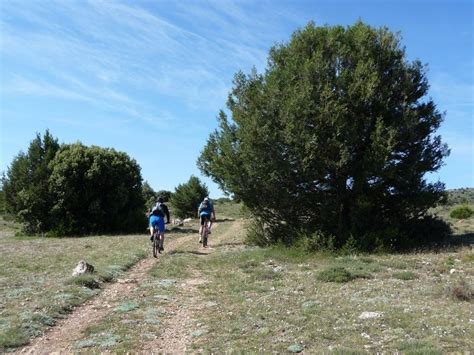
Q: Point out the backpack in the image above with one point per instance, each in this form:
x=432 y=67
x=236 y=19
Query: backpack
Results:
x=158 y=210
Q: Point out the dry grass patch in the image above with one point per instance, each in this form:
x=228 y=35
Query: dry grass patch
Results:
x=36 y=286
x=403 y=297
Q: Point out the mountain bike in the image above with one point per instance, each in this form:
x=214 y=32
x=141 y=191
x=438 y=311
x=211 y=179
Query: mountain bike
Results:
x=157 y=244
x=205 y=232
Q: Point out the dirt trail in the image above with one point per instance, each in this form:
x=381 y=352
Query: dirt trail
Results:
x=177 y=329
x=61 y=337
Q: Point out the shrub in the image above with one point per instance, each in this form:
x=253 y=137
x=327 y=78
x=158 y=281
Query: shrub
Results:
x=461 y=291
x=317 y=241
x=417 y=347
x=186 y=198
x=96 y=190
x=335 y=274
x=461 y=212
x=428 y=231
x=13 y=337
x=404 y=275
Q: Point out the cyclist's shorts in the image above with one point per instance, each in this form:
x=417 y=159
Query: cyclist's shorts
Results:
x=205 y=215
x=159 y=222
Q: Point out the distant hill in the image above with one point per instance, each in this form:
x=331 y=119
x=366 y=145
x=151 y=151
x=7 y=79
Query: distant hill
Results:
x=461 y=196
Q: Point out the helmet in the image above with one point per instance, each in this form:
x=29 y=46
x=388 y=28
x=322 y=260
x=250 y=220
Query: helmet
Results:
x=160 y=200
x=206 y=198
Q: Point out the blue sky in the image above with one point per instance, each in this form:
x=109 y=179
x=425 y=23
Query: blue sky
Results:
x=149 y=77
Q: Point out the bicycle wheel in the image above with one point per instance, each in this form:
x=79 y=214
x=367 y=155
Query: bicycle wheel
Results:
x=156 y=244
x=160 y=245
x=205 y=234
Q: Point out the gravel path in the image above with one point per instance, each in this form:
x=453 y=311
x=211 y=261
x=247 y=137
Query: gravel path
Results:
x=178 y=327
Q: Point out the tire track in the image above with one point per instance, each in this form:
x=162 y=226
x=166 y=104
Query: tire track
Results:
x=177 y=330
x=61 y=337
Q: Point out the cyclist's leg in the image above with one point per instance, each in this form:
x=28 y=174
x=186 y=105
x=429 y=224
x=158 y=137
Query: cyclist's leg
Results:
x=152 y=228
x=161 y=226
x=202 y=218
x=205 y=234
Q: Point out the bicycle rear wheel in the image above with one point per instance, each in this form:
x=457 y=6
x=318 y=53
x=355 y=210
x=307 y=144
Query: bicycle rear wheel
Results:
x=156 y=244
x=205 y=234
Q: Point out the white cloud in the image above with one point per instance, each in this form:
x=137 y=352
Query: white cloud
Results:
x=127 y=56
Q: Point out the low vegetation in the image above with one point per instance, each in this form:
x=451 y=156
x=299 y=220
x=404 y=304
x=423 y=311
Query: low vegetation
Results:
x=282 y=300
x=456 y=198
x=461 y=196
x=462 y=212
x=244 y=298
x=36 y=286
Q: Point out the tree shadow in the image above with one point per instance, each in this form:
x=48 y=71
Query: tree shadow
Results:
x=461 y=240
x=451 y=244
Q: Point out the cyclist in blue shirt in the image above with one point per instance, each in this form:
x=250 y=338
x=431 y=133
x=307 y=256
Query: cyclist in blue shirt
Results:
x=157 y=220
x=205 y=210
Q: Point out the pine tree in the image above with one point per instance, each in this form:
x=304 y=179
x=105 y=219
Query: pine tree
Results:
x=25 y=184
x=335 y=137
x=186 y=198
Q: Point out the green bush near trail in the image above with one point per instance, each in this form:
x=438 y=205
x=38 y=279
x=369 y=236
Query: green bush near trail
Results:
x=462 y=212
x=335 y=274
x=186 y=198
x=73 y=189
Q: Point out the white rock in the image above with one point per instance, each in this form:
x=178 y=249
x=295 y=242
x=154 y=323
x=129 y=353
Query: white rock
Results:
x=82 y=268
x=187 y=220
x=452 y=271
x=177 y=222
x=365 y=335
x=368 y=315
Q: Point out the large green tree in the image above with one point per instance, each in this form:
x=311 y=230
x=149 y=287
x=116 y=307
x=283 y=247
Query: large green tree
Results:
x=149 y=195
x=336 y=137
x=186 y=198
x=96 y=190
x=25 y=184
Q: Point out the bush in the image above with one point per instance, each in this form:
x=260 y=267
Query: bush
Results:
x=461 y=291
x=417 y=347
x=335 y=274
x=74 y=189
x=404 y=275
x=96 y=190
x=186 y=198
x=317 y=241
x=461 y=212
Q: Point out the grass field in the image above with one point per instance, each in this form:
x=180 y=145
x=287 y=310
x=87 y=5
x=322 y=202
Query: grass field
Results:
x=269 y=300
x=275 y=300
x=242 y=298
x=36 y=286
